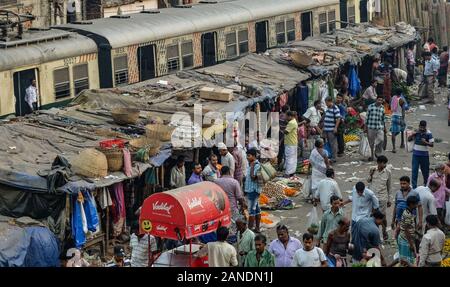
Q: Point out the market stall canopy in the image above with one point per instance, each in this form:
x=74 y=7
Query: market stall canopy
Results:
x=185 y=212
x=324 y=53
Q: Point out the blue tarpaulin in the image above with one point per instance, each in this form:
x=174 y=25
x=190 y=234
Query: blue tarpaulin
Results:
x=33 y=246
x=354 y=85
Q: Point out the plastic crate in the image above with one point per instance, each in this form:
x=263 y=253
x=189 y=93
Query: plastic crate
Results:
x=114 y=143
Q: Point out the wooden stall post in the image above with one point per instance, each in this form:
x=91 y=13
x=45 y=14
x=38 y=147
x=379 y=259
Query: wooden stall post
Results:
x=162 y=176
x=197 y=155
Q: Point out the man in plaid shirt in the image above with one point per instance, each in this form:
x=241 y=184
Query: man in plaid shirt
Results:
x=375 y=127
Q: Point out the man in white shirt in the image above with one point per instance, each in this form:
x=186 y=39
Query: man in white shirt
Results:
x=432 y=244
x=427 y=199
x=139 y=248
x=220 y=253
x=31 y=96
x=309 y=255
x=327 y=187
x=313 y=118
x=226 y=158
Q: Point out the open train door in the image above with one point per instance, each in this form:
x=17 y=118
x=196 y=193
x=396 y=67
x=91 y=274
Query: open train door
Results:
x=363 y=11
x=209 y=49
x=22 y=80
x=307 y=25
x=147 y=62
x=261 y=36
x=344 y=14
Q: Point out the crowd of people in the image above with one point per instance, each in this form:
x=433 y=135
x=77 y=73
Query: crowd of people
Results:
x=418 y=218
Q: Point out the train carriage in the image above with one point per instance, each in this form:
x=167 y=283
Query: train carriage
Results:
x=62 y=64
x=125 y=49
x=141 y=46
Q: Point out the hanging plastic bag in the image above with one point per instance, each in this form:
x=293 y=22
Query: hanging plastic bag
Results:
x=447 y=216
x=90 y=210
x=313 y=221
x=77 y=224
x=306 y=188
x=364 y=147
x=409 y=144
x=83 y=218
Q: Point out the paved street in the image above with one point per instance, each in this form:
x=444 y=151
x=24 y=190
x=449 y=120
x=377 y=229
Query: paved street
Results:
x=355 y=166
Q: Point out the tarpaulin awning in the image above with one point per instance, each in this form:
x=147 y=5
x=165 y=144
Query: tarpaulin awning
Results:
x=185 y=212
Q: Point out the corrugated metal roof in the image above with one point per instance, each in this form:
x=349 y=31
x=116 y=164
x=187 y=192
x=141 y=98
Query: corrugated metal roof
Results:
x=33 y=54
x=173 y=22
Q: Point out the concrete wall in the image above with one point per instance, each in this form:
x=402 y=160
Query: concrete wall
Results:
x=39 y=8
x=130 y=8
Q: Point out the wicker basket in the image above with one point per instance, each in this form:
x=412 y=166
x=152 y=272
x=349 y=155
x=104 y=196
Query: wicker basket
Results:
x=114 y=156
x=183 y=96
x=301 y=59
x=90 y=163
x=125 y=116
x=159 y=131
x=152 y=145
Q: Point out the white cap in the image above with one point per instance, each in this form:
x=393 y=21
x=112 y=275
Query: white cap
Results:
x=221 y=146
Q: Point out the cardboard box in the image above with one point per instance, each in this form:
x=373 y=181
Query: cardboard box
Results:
x=216 y=94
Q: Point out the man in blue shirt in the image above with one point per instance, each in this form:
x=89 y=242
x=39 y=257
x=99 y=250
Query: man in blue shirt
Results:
x=196 y=175
x=366 y=235
x=422 y=140
x=364 y=202
x=253 y=190
x=430 y=73
x=340 y=137
x=331 y=122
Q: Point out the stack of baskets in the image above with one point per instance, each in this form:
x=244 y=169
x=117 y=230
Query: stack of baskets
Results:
x=159 y=131
x=90 y=163
x=114 y=157
x=112 y=149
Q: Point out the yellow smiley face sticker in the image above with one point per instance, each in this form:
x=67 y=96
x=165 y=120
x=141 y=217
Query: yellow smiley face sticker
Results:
x=146 y=226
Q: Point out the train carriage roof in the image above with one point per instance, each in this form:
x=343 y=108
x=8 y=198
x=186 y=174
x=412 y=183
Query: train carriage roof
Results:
x=68 y=45
x=174 y=22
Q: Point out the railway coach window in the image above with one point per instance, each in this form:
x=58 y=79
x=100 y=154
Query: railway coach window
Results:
x=285 y=31
x=230 y=40
x=173 y=58
x=290 y=30
x=351 y=14
x=187 y=54
x=243 y=41
x=331 y=21
x=323 y=24
x=61 y=81
x=281 y=32
x=80 y=78
x=121 y=70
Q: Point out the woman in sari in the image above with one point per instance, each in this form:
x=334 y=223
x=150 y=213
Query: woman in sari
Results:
x=319 y=163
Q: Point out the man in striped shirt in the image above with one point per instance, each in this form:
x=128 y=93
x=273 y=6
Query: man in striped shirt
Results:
x=331 y=122
x=376 y=127
x=422 y=140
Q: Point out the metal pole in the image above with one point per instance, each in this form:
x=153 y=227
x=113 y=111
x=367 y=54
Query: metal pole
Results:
x=150 y=255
